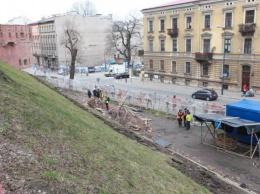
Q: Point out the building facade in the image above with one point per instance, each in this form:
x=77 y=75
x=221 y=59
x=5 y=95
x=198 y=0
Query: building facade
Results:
x=48 y=33
x=16 y=45
x=203 y=43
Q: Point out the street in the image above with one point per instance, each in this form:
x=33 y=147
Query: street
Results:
x=163 y=89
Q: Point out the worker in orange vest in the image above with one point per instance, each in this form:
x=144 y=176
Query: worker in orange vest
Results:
x=179 y=117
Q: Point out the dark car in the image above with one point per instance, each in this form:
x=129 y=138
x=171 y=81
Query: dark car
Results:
x=205 y=94
x=121 y=75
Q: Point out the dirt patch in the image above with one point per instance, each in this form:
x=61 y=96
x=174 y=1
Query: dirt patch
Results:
x=145 y=128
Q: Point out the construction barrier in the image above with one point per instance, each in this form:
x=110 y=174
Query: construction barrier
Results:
x=147 y=100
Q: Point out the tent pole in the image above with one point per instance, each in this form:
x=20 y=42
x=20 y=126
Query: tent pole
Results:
x=252 y=135
x=201 y=132
x=257 y=144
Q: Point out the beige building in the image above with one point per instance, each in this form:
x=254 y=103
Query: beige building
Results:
x=203 y=43
x=48 y=33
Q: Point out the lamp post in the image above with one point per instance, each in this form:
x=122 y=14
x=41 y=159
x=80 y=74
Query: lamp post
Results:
x=224 y=55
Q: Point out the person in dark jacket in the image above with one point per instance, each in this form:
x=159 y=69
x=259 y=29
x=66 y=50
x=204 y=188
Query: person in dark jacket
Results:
x=98 y=93
x=89 y=94
x=95 y=92
x=184 y=116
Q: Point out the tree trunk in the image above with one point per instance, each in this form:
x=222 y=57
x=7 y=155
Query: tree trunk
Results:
x=73 y=61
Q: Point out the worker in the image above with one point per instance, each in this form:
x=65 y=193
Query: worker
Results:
x=184 y=116
x=94 y=92
x=179 y=117
x=107 y=99
x=89 y=94
x=188 y=120
x=101 y=95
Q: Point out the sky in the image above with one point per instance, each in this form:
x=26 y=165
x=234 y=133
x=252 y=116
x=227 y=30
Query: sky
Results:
x=34 y=10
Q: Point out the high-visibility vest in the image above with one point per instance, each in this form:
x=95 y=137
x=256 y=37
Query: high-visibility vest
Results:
x=188 y=117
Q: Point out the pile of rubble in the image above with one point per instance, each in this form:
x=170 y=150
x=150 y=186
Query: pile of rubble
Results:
x=125 y=115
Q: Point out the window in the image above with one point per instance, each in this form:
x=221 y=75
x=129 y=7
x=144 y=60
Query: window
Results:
x=188 y=45
x=9 y=35
x=174 y=23
x=205 y=84
x=174 y=80
x=248 y=46
x=206 y=45
x=207 y=21
x=161 y=65
x=150 y=26
x=162 y=25
x=22 y=35
x=188 y=22
x=150 y=64
x=250 y=16
x=205 y=69
x=228 y=20
x=174 y=67
x=162 y=43
x=187 y=67
x=225 y=70
x=151 y=45
x=187 y=82
x=174 y=45
x=227 y=45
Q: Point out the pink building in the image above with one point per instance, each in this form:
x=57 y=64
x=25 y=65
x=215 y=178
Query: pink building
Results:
x=16 y=45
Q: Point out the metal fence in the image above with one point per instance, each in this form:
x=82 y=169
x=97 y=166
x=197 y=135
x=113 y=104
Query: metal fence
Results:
x=154 y=101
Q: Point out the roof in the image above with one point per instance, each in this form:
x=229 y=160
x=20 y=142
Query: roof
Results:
x=250 y=126
x=246 y=104
x=177 y=2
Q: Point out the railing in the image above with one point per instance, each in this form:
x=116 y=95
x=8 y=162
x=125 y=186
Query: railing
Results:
x=173 y=32
x=247 y=29
x=202 y=57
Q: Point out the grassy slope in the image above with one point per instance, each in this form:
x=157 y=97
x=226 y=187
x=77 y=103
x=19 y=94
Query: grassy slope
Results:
x=67 y=150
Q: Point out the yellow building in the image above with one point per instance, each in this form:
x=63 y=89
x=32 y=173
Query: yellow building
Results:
x=203 y=43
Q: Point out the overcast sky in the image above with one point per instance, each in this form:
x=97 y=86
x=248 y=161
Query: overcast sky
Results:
x=36 y=9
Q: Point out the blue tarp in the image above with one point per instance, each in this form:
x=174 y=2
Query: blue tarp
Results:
x=245 y=109
x=112 y=61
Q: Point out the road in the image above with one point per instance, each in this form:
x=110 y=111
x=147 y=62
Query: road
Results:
x=163 y=89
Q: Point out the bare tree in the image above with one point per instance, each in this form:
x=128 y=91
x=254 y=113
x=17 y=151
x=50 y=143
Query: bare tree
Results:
x=71 y=40
x=125 y=37
x=84 y=8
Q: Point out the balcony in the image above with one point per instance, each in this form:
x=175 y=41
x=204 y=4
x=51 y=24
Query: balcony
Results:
x=173 y=32
x=203 y=57
x=247 y=29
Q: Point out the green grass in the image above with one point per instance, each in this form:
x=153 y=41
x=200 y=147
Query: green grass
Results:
x=72 y=149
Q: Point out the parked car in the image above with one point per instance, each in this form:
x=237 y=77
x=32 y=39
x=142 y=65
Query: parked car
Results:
x=205 y=94
x=121 y=75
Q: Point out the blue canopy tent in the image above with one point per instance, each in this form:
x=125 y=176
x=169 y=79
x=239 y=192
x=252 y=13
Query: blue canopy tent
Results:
x=242 y=130
x=245 y=109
